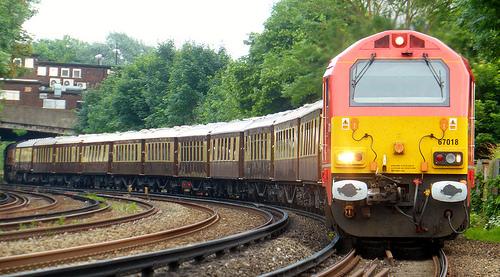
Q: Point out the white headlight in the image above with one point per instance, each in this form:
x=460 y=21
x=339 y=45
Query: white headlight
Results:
x=450 y=158
x=399 y=40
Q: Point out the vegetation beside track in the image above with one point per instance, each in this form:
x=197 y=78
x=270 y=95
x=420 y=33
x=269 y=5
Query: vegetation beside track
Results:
x=126 y=207
x=485 y=210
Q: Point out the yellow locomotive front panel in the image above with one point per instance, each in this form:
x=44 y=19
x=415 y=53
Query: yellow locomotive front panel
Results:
x=399 y=145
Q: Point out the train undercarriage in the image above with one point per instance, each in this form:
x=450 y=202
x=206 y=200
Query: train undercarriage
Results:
x=305 y=196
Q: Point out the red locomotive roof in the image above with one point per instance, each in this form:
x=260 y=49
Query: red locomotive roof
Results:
x=398 y=45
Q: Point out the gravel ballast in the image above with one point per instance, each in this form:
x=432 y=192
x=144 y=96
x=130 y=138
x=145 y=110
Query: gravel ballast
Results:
x=303 y=237
x=473 y=258
x=170 y=216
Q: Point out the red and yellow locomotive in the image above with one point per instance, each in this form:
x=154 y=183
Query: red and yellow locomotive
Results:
x=399 y=121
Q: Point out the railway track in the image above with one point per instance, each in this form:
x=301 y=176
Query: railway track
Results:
x=17 y=201
x=74 y=254
x=11 y=224
x=52 y=203
x=277 y=221
x=348 y=265
x=148 y=210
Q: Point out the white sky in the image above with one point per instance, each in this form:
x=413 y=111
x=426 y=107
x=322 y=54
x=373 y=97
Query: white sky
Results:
x=212 y=22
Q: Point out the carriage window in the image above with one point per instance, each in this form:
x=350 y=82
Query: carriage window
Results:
x=420 y=82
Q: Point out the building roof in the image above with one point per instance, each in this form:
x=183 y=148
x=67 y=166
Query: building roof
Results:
x=42 y=63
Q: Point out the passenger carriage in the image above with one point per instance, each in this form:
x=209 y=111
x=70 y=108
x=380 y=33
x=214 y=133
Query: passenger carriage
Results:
x=227 y=150
x=160 y=151
x=258 y=147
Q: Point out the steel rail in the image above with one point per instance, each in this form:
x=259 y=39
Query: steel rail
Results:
x=92 y=205
x=19 y=202
x=4 y=198
x=33 y=260
x=52 y=204
x=149 y=211
x=443 y=263
x=146 y=263
x=341 y=268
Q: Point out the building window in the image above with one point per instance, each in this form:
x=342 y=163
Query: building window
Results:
x=29 y=63
x=53 y=71
x=54 y=104
x=18 y=62
x=41 y=71
x=65 y=72
x=9 y=95
x=77 y=73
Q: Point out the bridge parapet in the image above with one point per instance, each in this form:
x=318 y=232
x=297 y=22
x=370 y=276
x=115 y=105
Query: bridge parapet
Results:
x=38 y=119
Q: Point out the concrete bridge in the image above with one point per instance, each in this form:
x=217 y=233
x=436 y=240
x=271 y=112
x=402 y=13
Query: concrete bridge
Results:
x=37 y=121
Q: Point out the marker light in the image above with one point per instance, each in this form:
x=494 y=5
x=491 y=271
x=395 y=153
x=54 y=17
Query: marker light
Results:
x=399 y=41
x=450 y=158
x=439 y=158
x=358 y=156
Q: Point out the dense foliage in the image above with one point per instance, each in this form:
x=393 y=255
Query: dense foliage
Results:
x=161 y=88
x=69 y=49
x=14 y=42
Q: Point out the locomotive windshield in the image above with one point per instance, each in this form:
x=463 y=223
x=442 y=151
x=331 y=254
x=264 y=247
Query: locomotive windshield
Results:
x=399 y=83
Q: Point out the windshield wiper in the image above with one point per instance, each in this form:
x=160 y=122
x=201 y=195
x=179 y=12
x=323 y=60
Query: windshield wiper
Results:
x=437 y=76
x=362 y=72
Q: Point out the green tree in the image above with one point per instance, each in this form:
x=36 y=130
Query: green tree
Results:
x=193 y=68
x=159 y=89
x=481 y=18
x=63 y=50
x=14 y=41
x=127 y=99
x=69 y=49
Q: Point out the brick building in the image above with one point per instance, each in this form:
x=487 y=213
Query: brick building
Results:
x=51 y=85
x=45 y=97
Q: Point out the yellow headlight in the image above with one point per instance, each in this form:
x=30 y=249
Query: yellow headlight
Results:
x=346 y=157
x=350 y=158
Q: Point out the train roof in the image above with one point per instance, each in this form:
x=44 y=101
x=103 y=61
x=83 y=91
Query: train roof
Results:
x=28 y=143
x=200 y=130
x=46 y=141
x=163 y=132
x=69 y=139
x=107 y=137
x=266 y=121
x=234 y=126
x=181 y=131
x=300 y=112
